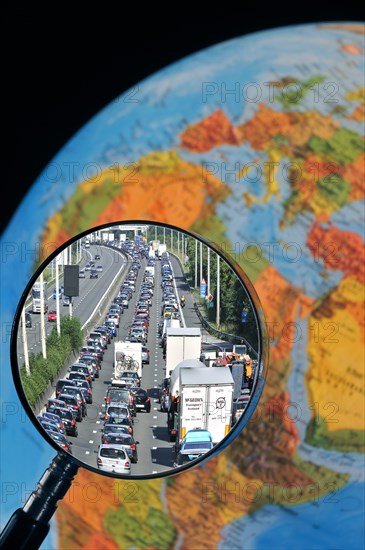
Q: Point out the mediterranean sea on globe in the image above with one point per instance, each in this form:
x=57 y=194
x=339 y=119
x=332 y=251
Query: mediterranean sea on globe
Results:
x=256 y=144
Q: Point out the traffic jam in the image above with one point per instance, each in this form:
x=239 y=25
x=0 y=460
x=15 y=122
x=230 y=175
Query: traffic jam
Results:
x=192 y=424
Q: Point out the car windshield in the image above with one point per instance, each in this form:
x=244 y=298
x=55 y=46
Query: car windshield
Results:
x=109 y=452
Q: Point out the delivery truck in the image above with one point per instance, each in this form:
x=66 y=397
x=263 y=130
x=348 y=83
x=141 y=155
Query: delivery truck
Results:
x=127 y=359
x=161 y=250
x=181 y=343
x=36 y=297
x=204 y=401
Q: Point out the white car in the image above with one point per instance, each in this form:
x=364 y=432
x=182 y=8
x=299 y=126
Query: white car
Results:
x=99 y=268
x=114 y=459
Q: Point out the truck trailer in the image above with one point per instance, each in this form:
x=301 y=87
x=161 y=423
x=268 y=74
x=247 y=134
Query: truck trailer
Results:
x=181 y=343
x=204 y=401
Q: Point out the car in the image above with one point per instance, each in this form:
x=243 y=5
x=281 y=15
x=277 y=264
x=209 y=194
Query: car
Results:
x=83 y=369
x=194 y=444
x=111 y=325
x=55 y=418
x=68 y=420
x=145 y=355
x=87 y=267
x=75 y=376
x=113 y=317
x=117 y=394
x=99 y=338
x=52 y=315
x=48 y=424
x=84 y=386
x=114 y=459
x=61 y=440
x=120 y=421
x=104 y=331
x=55 y=293
x=75 y=391
x=143 y=402
x=66 y=301
x=73 y=404
x=129 y=379
x=99 y=268
x=116 y=410
x=97 y=257
x=93 y=274
x=82 y=274
x=54 y=403
x=28 y=320
x=115 y=438
x=61 y=383
x=91 y=361
x=92 y=349
x=111 y=427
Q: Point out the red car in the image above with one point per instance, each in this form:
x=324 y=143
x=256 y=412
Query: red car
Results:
x=52 y=315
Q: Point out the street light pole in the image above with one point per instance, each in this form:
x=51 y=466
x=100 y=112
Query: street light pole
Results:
x=208 y=270
x=196 y=263
x=201 y=260
x=25 y=343
x=218 y=321
x=43 y=329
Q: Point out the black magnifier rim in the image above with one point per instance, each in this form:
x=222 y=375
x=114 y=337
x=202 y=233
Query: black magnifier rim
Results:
x=263 y=352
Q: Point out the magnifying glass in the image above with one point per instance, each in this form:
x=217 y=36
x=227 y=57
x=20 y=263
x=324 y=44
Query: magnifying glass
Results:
x=153 y=357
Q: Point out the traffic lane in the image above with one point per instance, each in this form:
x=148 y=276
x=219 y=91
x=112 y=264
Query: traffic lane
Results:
x=155 y=451
x=91 y=429
x=82 y=306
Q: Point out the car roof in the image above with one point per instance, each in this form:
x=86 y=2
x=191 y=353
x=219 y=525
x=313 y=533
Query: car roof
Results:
x=118 y=447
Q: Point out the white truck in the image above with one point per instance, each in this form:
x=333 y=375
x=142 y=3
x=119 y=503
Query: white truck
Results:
x=151 y=253
x=170 y=323
x=127 y=359
x=204 y=401
x=161 y=250
x=181 y=343
x=36 y=297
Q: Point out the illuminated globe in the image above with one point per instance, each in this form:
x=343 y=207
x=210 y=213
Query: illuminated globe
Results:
x=257 y=145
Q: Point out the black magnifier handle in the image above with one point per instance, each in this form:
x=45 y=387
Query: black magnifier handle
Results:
x=28 y=526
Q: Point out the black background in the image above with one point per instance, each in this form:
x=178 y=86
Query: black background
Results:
x=74 y=60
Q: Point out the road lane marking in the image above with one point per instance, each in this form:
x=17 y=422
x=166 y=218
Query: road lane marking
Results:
x=87 y=452
x=155 y=418
x=95 y=432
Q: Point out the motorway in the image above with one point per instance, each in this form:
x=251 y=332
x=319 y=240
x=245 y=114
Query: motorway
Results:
x=91 y=291
x=155 y=451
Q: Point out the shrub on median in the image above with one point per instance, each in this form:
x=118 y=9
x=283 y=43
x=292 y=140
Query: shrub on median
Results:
x=59 y=348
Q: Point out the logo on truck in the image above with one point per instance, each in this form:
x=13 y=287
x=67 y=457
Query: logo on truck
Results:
x=220 y=403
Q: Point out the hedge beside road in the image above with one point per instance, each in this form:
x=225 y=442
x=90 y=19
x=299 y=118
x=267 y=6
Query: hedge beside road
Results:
x=59 y=348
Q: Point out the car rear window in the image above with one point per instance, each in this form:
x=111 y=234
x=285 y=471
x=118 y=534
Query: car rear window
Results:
x=122 y=411
x=197 y=446
x=64 y=414
x=109 y=452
